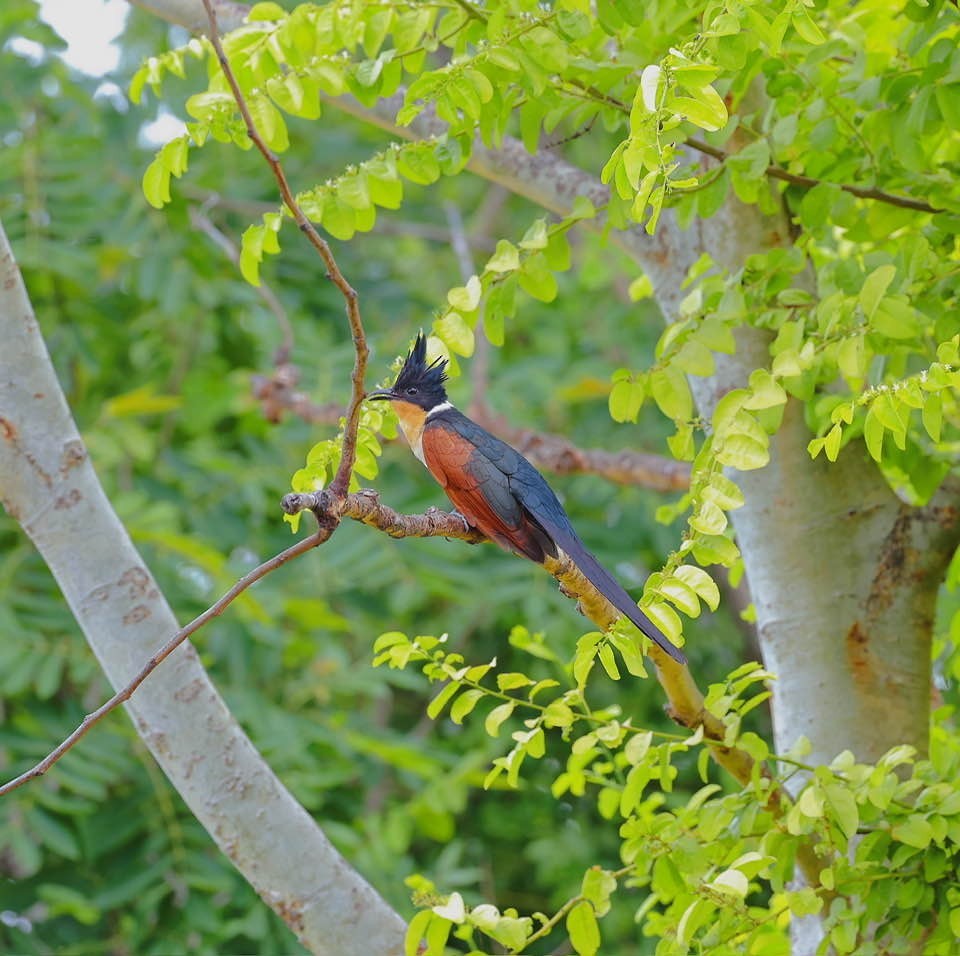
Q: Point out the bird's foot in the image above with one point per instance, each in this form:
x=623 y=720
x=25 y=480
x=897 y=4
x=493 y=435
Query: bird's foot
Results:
x=466 y=524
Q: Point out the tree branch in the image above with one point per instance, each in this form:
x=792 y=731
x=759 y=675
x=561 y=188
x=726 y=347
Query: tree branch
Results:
x=192 y=15
x=277 y=394
x=808 y=182
x=348 y=453
x=123 y=695
x=559 y=455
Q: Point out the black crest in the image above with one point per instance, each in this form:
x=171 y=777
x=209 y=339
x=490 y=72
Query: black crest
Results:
x=417 y=374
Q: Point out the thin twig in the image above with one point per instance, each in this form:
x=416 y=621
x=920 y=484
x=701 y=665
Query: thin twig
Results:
x=126 y=692
x=773 y=171
x=547 y=928
x=808 y=182
x=341 y=480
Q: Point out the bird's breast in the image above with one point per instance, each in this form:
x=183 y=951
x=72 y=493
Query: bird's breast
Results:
x=412 y=418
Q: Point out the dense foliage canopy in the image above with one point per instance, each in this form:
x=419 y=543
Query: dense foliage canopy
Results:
x=502 y=777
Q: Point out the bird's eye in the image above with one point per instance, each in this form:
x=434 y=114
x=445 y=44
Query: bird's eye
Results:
x=412 y=390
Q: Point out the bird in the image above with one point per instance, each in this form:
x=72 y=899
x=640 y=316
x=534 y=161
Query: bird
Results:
x=492 y=486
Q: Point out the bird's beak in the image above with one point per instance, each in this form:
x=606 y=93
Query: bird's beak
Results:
x=380 y=395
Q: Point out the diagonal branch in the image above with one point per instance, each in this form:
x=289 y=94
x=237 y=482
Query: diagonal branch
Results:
x=348 y=456
x=125 y=693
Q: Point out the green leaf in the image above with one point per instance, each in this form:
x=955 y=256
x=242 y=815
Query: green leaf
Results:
x=642 y=198
x=584 y=657
x=597 y=887
x=932 y=415
x=752 y=161
x=156 y=184
x=874 y=287
x=896 y=318
x=765 y=391
x=672 y=393
x=339 y=219
x=843 y=807
x=506 y=258
x=694 y=358
x=681 y=443
x=583 y=930
x=512 y=680
x=464 y=704
x=466 y=298
x=701 y=582
x=418 y=164
x=266 y=11
x=914 y=831
x=626 y=400
x=456 y=334
x=731 y=881
x=640 y=288
x=805 y=26
x=665 y=617
x=435 y=707
x=537 y=280
x=629 y=650
x=704 y=108
x=536 y=236
x=637 y=746
x=269 y=123
x=743 y=453
x=416 y=930
x=873 y=434
x=810 y=803
x=251 y=253
x=709 y=519
x=497 y=716
x=723 y=492
x=831 y=444
x=693 y=918
x=608 y=661
x=684 y=598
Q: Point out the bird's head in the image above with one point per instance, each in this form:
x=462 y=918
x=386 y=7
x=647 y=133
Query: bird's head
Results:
x=419 y=383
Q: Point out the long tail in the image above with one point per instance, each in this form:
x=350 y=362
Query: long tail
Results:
x=611 y=589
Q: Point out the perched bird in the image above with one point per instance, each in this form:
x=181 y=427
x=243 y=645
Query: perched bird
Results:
x=492 y=485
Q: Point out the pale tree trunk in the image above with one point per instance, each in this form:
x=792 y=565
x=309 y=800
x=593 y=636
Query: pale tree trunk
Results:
x=48 y=485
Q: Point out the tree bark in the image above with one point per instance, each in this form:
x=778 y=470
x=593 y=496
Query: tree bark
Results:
x=48 y=485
